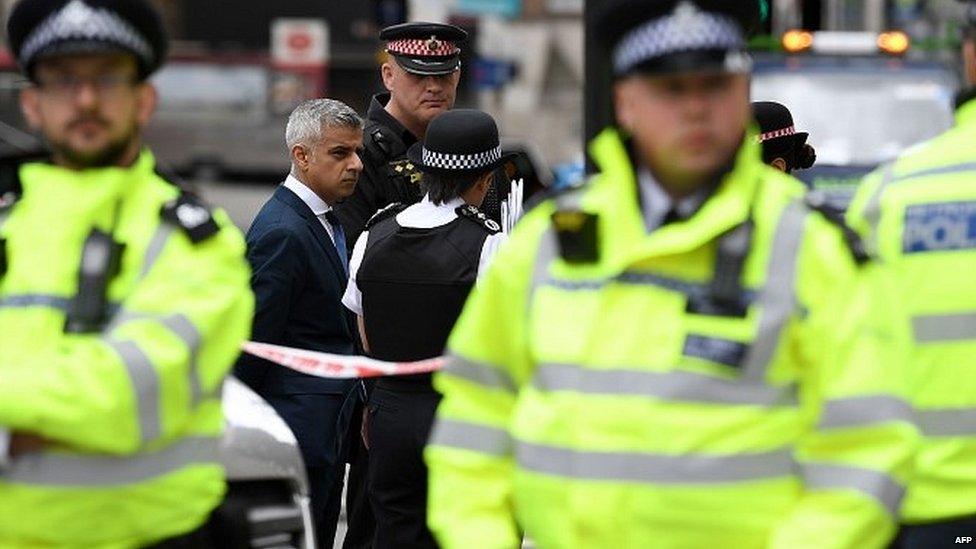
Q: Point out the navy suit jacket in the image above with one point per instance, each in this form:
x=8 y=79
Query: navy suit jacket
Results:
x=298 y=281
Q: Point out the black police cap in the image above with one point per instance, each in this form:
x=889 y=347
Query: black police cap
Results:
x=459 y=141
x=426 y=49
x=776 y=122
x=45 y=28
x=660 y=36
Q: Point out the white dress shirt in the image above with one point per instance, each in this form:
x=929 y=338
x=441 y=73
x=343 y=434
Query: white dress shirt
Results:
x=314 y=202
x=656 y=202
x=423 y=215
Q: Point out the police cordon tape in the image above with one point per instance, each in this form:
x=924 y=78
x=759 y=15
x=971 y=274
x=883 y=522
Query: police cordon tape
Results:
x=338 y=366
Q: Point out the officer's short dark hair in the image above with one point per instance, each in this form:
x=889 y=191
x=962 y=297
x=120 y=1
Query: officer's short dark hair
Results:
x=443 y=187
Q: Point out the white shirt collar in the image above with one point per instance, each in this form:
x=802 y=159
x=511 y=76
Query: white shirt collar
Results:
x=426 y=215
x=308 y=196
x=656 y=202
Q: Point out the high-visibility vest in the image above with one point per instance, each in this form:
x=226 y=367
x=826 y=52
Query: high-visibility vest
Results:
x=615 y=402
x=918 y=214
x=131 y=408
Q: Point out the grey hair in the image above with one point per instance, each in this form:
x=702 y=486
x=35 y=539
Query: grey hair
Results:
x=306 y=122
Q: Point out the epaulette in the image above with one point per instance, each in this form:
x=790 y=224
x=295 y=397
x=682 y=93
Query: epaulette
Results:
x=193 y=215
x=818 y=202
x=10 y=186
x=470 y=211
x=386 y=213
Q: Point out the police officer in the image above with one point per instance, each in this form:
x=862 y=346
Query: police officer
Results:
x=783 y=147
x=123 y=300
x=421 y=75
x=680 y=353
x=410 y=274
x=918 y=214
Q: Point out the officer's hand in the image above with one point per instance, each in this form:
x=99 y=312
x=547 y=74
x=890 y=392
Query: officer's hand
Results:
x=23 y=443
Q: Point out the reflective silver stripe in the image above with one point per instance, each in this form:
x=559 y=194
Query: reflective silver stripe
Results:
x=471 y=436
x=86 y=470
x=61 y=303
x=872 y=210
x=690 y=289
x=479 y=372
x=942 y=170
x=948 y=327
x=860 y=411
x=145 y=384
x=947 y=422
x=674 y=385
x=548 y=250
x=654 y=468
x=183 y=328
x=777 y=300
x=23 y=301
x=155 y=248
x=187 y=331
x=549 y=245
x=875 y=484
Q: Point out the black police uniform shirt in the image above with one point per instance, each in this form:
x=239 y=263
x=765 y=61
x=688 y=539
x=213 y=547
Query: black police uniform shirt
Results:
x=436 y=225
x=387 y=175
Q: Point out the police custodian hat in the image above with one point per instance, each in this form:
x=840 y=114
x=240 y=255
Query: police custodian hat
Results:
x=45 y=28
x=666 y=36
x=425 y=49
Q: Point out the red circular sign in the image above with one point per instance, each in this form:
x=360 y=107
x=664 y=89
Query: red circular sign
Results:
x=300 y=41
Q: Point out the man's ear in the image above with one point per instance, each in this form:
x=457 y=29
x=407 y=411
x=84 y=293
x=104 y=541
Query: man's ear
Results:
x=29 y=105
x=299 y=157
x=622 y=93
x=389 y=75
x=779 y=164
x=969 y=58
x=146 y=100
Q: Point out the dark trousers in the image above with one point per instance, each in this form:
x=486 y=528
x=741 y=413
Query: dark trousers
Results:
x=950 y=533
x=320 y=423
x=399 y=425
x=359 y=514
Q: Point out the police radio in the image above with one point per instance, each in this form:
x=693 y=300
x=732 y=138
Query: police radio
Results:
x=101 y=262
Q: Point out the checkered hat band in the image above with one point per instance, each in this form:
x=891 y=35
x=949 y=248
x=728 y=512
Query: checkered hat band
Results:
x=79 y=21
x=677 y=33
x=461 y=161
x=791 y=130
x=423 y=48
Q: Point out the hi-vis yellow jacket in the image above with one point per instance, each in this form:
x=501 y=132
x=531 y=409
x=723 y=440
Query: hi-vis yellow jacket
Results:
x=132 y=411
x=584 y=405
x=919 y=216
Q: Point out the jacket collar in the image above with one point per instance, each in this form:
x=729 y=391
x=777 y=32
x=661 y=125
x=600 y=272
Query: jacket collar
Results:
x=966 y=107
x=377 y=113
x=625 y=240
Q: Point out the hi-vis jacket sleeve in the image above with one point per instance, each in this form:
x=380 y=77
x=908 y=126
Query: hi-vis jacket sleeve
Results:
x=856 y=457
x=160 y=360
x=471 y=451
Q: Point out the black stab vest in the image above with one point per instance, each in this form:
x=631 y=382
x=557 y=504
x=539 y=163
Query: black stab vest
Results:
x=414 y=283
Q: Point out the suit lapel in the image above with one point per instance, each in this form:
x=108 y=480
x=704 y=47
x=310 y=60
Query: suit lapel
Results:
x=321 y=235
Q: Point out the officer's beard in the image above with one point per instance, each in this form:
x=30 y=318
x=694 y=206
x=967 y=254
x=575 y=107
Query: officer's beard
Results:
x=112 y=154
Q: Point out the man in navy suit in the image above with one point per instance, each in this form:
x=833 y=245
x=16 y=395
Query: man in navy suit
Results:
x=298 y=279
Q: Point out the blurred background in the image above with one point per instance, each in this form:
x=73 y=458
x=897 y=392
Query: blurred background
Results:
x=238 y=67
